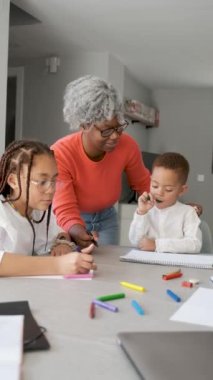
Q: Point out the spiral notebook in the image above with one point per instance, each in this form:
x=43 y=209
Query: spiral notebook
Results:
x=170 y=259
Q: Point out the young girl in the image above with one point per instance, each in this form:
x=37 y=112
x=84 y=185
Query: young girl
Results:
x=28 y=178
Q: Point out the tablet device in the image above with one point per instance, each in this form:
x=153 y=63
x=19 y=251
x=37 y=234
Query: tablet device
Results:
x=169 y=355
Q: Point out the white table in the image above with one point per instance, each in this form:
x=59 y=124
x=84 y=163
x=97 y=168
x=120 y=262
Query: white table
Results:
x=84 y=348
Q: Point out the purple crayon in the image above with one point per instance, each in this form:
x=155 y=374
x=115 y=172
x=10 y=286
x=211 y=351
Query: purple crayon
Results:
x=106 y=305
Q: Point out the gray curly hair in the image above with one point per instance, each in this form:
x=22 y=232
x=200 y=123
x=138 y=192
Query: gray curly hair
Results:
x=90 y=99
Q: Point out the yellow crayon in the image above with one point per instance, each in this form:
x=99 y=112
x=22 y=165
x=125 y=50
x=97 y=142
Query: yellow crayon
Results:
x=133 y=286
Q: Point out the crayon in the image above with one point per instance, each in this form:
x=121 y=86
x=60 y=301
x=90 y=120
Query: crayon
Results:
x=170 y=276
x=106 y=305
x=92 y=240
x=92 y=310
x=137 y=307
x=111 y=297
x=132 y=286
x=174 y=296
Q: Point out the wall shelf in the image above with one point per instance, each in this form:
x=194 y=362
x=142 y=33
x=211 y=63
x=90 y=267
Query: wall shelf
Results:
x=139 y=112
x=135 y=118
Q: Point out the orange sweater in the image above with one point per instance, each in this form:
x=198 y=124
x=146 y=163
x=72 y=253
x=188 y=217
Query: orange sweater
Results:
x=89 y=186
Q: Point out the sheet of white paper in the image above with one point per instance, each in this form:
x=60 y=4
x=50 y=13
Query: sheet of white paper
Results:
x=10 y=372
x=43 y=277
x=11 y=346
x=59 y=277
x=198 y=309
x=56 y=278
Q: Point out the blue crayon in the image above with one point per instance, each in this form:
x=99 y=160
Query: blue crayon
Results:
x=174 y=296
x=137 y=307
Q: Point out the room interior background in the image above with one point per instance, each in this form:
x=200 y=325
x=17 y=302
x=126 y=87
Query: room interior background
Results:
x=185 y=110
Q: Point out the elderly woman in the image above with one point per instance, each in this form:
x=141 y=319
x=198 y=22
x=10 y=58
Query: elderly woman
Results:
x=91 y=162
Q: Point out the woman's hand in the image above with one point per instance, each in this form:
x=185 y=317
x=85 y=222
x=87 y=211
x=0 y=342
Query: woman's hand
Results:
x=76 y=262
x=80 y=236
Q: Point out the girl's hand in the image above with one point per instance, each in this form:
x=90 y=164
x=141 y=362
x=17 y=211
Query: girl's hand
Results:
x=145 y=203
x=146 y=244
x=76 y=262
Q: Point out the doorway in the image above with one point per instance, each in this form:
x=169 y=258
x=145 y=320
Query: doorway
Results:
x=14 y=113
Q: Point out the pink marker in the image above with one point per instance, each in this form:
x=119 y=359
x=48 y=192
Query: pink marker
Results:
x=78 y=276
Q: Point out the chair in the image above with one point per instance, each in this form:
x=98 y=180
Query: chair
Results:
x=207 y=245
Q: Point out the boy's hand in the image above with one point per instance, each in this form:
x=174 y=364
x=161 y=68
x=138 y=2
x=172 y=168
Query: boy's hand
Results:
x=146 y=244
x=145 y=203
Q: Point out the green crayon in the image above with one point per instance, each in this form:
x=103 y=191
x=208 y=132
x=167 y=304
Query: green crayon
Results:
x=110 y=297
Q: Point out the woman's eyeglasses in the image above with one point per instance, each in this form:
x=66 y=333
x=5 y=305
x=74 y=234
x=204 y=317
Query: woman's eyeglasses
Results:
x=109 y=131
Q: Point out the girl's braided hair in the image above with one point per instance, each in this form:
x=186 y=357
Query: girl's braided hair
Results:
x=15 y=156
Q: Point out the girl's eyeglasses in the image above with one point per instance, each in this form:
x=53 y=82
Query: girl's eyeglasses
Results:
x=109 y=131
x=45 y=184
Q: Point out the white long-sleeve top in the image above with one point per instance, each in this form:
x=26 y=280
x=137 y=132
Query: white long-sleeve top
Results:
x=16 y=234
x=174 y=229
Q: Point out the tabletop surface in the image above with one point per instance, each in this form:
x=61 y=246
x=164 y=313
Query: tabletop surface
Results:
x=85 y=348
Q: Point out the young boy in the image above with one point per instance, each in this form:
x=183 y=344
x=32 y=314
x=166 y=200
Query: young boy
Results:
x=161 y=223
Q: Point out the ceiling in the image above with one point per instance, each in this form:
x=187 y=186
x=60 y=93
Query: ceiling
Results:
x=163 y=43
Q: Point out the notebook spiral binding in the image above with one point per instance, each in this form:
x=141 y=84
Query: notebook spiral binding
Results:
x=169 y=259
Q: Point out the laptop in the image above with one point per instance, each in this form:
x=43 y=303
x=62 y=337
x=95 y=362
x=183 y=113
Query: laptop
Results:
x=185 y=355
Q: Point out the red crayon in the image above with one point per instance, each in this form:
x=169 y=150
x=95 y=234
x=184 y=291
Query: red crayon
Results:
x=92 y=310
x=170 y=276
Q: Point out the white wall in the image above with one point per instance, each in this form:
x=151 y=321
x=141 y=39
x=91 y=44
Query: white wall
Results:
x=128 y=87
x=134 y=90
x=4 y=32
x=43 y=92
x=186 y=126
x=116 y=71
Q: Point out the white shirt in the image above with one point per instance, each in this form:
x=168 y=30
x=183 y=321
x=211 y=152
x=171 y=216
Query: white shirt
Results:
x=174 y=229
x=16 y=234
